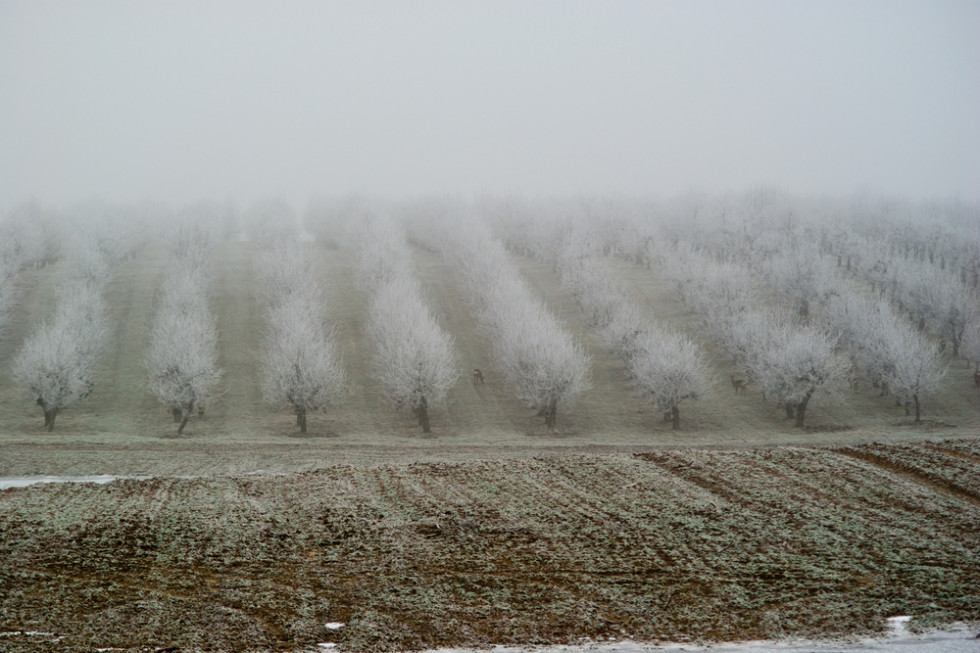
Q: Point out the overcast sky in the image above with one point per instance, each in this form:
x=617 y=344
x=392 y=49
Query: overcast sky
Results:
x=193 y=99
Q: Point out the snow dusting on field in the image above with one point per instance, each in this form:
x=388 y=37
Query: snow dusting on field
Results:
x=959 y=639
x=24 y=481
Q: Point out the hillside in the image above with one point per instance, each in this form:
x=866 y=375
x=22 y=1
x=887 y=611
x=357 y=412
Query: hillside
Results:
x=240 y=432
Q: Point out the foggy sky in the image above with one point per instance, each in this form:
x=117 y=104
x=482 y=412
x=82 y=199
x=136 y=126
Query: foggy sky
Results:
x=186 y=99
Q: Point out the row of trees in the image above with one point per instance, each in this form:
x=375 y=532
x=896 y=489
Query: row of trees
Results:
x=301 y=365
x=534 y=354
x=925 y=266
x=25 y=241
x=792 y=357
x=414 y=358
x=665 y=367
x=792 y=363
x=934 y=298
x=182 y=357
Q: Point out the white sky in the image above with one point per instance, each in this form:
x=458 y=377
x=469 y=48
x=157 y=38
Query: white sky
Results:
x=193 y=99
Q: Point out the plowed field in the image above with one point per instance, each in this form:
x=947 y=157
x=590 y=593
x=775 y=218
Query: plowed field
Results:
x=667 y=545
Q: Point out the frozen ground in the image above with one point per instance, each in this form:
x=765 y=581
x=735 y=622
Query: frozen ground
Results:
x=956 y=640
x=24 y=481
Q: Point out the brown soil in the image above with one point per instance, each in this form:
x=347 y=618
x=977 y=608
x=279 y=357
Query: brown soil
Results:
x=674 y=545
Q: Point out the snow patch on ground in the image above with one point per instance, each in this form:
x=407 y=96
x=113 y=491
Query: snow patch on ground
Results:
x=898 y=626
x=959 y=639
x=24 y=481
x=26 y=633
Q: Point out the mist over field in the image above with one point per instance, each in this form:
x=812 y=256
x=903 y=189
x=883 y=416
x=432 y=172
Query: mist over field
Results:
x=183 y=101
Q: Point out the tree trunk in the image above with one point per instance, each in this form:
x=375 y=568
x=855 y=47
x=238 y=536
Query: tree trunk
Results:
x=183 y=422
x=918 y=409
x=49 y=415
x=422 y=412
x=801 y=410
x=675 y=417
x=551 y=414
x=301 y=420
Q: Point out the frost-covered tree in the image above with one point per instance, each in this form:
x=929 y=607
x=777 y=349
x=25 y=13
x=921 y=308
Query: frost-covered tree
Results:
x=801 y=274
x=414 y=358
x=971 y=344
x=182 y=361
x=665 y=367
x=908 y=364
x=790 y=363
x=24 y=242
x=668 y=369
x=936 y=297
x=182 y=357
x=57 y=362
x=301 y=367
x=536 y=356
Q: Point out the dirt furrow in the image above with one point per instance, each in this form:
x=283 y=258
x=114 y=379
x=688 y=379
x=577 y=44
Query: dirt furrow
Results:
x=914 y=475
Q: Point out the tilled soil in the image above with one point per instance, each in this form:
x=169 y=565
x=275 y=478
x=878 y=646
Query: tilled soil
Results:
x=677 y=545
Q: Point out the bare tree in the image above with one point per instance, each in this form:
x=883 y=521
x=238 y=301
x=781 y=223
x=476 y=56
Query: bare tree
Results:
x=57 y=362
x=414 y=358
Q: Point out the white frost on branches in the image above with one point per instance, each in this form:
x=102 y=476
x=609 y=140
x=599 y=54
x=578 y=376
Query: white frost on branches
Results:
x=667 y=369
x=182 y=357
x=534 y=353
x=57 y=362
x=301 y=366
x=414 y=358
